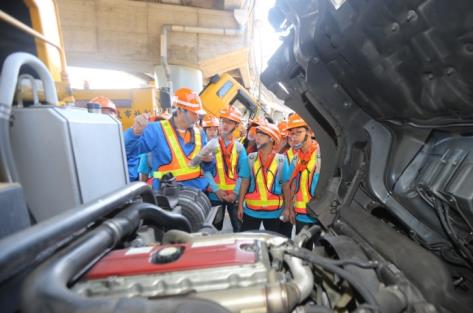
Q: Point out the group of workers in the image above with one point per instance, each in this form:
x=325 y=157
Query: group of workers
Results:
x=265 y=174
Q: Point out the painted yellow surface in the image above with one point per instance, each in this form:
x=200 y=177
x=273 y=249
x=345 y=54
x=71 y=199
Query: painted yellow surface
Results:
x=222 y=92
x=44 y=19
x=129 y=102
x=225 y=91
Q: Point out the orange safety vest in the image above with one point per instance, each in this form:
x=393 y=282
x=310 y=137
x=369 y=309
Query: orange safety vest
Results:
x=179 y=160
x=290 y=155
x=302 y=195
x=262 y=198
x=226 y=176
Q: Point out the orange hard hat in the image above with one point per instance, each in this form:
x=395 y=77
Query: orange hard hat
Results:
x=271 y=130
x=257 y=121
x=283 y=128
x=105 y=103
x=232 y=113
x=295 y=121
x=188 y=100
x=210 y=121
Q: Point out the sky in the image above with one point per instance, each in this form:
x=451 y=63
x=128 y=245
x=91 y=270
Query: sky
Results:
x=265 y=43
x=266 y=40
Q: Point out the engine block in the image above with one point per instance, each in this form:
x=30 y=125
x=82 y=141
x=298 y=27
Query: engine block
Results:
x=178 y=269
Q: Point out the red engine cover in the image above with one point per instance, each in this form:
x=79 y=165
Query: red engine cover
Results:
x=136 y=261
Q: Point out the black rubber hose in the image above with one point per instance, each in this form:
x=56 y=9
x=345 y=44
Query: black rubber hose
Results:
x=442 y=212
x=330 y=266
x=155 y=216
x=46 y=289
x=25 y=248
x=365 y=265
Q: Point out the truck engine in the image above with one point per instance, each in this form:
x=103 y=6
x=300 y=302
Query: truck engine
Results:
x=116 y=267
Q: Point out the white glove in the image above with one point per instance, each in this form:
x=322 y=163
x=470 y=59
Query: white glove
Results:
x=210 y=147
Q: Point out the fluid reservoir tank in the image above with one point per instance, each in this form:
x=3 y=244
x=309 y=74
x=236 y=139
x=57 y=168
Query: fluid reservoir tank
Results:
x=181 y=76
x=66 y=157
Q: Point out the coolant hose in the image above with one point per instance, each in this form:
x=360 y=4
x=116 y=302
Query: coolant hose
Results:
x=46 y=289
x=155 y=216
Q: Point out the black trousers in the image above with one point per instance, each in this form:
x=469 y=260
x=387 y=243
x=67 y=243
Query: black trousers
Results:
x=285 y=228
x=252 y=223
x=232 y=212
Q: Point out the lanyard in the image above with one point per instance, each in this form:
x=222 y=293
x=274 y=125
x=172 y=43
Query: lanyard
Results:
x=266 y=165
x=227 y=153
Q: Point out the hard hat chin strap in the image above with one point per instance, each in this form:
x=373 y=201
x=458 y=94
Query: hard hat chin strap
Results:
x=301 y=144
x=264 y=145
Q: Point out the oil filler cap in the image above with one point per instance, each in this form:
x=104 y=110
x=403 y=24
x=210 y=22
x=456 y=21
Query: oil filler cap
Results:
x=167 y=255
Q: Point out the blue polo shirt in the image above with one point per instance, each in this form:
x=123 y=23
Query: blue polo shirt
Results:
x=133 y=163
x=153 y=140
x=284 y=177
x=144 y=167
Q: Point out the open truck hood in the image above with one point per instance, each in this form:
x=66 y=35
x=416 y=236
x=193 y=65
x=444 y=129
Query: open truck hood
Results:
x=387 y=87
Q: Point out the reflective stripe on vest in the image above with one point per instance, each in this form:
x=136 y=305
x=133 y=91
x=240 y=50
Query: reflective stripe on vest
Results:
x=290 y=155
x=262 y=199
x=179 y=161
x=226 y=179
x=303 y=195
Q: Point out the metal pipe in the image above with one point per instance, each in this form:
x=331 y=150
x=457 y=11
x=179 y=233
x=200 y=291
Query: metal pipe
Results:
x=11 y=70
x=62 y=53
x=34 y=89
x=27 y=247
x=46 y=289
x=303 y=278
x=195 y=30
x=20 y=25
x=207 y=30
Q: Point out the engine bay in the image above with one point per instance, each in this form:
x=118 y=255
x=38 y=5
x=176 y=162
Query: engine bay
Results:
x=109 y=270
